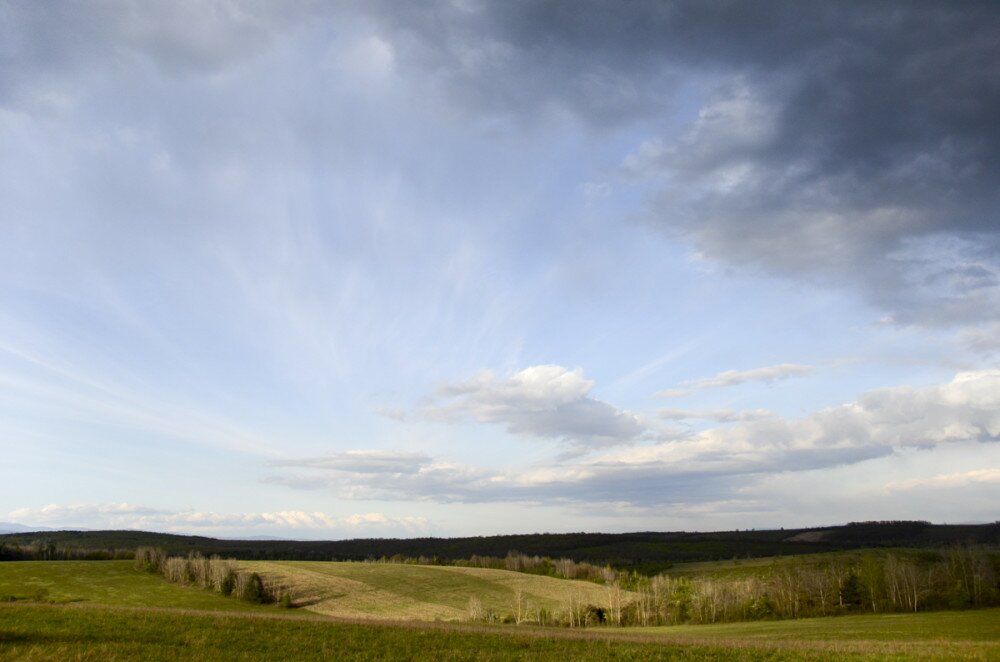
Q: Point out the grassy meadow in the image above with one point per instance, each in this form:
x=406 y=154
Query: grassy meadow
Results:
x=107 y=610
x=75 y=632
x=109 y=583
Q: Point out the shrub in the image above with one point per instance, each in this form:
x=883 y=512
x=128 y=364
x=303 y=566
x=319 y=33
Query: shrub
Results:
x=228 y=583
x=252 y=590
x=149 y=559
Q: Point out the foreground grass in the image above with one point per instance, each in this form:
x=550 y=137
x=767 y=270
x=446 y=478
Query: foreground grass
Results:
x=107 y=611
x=981 y=625
x=72 y=632
x=113 y=583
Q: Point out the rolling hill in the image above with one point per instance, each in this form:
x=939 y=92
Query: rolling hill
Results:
x=413 y=592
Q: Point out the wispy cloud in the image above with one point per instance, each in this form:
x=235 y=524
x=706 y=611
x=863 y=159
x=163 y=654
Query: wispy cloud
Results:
x=65 y=391
x=766 y=375
x=392 y=413
x=652 y=367
x=947 y=481
x=431 y=480
x=362 y=461
x=719 y=415
x=982 y=339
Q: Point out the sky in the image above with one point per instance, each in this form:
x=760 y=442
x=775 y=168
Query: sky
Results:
x=327 y=270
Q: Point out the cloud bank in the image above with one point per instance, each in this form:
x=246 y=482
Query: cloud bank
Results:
x=288 y=522
x=709 y=465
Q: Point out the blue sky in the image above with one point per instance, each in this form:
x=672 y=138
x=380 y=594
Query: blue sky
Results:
x=456 y=268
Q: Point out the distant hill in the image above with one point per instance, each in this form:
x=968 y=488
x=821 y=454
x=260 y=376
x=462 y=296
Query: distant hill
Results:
x=12 y=527
x=646 y=551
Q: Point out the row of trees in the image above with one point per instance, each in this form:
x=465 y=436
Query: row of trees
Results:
x=38 y=550
x=960 y=578
x=214 y=574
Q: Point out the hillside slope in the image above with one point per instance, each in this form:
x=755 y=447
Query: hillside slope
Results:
x=414 y=592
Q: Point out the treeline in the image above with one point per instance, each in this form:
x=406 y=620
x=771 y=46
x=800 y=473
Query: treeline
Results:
x=960 y=578
x=40 y=550
x=214 y=574
x=515 y=561
x=646 y=552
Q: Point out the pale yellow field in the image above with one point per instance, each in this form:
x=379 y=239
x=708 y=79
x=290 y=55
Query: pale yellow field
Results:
x=414 y=592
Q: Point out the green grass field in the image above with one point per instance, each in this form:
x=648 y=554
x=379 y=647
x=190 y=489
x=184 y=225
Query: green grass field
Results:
x=74 y=632
x=980 y=625
x=105 y=610
x=112 y=583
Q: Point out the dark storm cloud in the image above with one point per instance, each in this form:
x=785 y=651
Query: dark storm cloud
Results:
x=850 y=143
x=178 y=37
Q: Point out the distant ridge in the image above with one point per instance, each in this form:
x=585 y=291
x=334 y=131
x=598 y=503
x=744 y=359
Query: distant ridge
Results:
x=644 y=551
x=13 y=527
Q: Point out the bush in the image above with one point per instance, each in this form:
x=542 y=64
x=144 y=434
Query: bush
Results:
x=228 y=583
x=759 y=608
x=150 y=559
x=253 y=589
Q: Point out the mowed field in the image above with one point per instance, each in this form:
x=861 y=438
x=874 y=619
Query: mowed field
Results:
x=420 y=592
x=105 y=610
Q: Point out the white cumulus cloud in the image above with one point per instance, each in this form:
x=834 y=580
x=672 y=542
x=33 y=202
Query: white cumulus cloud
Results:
x=542 y=401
